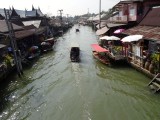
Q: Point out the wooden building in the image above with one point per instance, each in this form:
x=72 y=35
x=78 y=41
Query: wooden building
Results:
x=145 y=54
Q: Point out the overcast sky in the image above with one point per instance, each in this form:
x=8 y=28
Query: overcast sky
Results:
x=71 y=7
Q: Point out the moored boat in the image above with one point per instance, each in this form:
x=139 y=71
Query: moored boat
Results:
x=34 y=52
x=100 y=54
x=46 y=46
x=50 y=40
x=114 y=47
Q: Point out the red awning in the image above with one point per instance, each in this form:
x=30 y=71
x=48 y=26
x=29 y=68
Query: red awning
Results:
x=98 y=48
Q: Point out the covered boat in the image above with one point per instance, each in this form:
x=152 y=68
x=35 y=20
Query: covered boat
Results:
x=115 y=47
x=75 y=52
x=100 y=53
x=46 y=46
x=33 y=52
x=77 y=30
x=50 y=40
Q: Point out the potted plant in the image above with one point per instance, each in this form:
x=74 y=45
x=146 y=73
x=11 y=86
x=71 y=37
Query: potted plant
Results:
x=154 y=63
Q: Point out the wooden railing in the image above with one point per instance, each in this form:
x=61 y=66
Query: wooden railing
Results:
x=136 y=59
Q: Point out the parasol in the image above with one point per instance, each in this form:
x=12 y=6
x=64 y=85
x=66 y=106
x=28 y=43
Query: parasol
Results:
x=132 y=38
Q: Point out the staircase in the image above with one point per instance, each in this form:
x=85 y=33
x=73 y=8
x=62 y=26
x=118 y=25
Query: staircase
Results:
x=155 y=83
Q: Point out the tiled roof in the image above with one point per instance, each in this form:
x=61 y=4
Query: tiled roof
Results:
x=149 y=32
x=31 y=13
x=36 y=23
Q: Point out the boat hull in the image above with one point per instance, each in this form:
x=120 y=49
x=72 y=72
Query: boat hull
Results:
x=100 y=58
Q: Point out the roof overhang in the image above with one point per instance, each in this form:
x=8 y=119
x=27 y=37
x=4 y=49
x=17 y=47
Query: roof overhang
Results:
x=2 y=46
x=149 y=32
x=102 y=31
x=110 y=25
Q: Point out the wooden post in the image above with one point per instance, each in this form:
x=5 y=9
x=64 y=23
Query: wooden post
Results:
x=15 y=50
x=99 y=14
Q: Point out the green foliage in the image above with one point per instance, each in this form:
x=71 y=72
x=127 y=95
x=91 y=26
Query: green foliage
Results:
x=155 y=57
x=117 y=50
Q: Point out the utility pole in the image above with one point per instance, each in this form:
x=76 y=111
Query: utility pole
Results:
x=61 y=15
x=67 y=18
x=99 y=14
x=88 y=11
x=15 y=50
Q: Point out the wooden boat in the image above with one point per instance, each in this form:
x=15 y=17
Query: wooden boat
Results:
x=33 y=53
x=114 y=46
x=46 y=46
x=75 y=53
x=100 y=54
x=77 y=30
x=50 y=40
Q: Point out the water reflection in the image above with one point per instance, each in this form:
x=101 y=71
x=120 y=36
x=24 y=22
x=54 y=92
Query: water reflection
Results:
x=101 y=69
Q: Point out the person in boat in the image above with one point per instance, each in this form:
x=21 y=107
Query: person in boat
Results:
x=110 y=46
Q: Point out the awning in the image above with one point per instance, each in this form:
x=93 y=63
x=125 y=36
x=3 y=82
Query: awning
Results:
x=111 y=38
x=132 y=38
x=98 y=48
x=102 y=31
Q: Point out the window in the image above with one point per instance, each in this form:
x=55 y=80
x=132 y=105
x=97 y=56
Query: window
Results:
x=132 y=12
x=120 y=13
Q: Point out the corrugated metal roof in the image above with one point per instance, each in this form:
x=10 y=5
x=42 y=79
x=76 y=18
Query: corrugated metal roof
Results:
x=24 y=33
x=149 y=32
x=102 y=31
x=2 y=12
x=31 y=13
x=152 y=18
x=21 y=13
x=29 y=27
x=40 y=13
x=36 y=23
x=4 y=28
x=2 y=46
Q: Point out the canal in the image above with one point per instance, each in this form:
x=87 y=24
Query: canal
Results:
x=56 y=89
